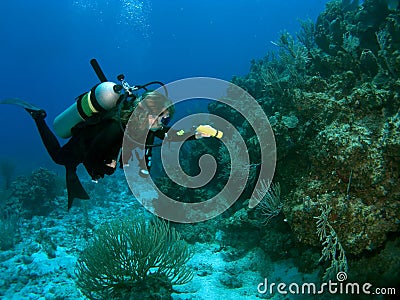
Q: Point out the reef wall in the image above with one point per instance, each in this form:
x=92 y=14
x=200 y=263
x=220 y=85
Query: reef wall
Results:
x=332 y=94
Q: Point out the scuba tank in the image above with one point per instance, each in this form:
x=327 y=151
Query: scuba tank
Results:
x=102 y=97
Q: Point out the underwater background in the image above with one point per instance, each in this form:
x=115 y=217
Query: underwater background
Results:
x=47 y=46
x=326 y=74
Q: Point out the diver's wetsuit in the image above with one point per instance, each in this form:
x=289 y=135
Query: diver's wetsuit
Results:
x=95 y=145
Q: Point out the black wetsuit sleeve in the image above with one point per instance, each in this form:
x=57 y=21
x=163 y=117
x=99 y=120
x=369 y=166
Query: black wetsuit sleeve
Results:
x=104 y=147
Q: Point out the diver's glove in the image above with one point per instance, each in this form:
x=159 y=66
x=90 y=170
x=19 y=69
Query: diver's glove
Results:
x=207 y=131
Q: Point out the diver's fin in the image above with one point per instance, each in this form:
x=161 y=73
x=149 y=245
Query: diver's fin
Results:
x=35 y=112
x=19 y=102
x=74 y=187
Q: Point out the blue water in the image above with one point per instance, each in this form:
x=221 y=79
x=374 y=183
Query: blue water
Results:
x=45 y=51
x=46 y=47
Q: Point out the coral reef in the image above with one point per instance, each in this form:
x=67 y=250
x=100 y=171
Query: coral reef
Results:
x=35 y=194
x=333 y=99
x=332 y=96
x=26 y=197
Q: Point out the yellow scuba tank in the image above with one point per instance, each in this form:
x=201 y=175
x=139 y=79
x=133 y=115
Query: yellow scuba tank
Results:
x=102 y=97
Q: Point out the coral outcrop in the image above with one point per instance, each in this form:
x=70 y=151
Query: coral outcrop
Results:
x=332 y=95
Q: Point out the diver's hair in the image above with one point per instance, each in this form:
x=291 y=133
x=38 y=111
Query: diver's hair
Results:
x=150 y=103
x=156 y=103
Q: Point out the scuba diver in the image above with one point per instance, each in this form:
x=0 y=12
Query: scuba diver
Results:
x=95 y=125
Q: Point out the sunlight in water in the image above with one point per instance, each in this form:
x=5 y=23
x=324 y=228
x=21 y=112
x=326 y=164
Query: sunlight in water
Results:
x=136 y=14
x=132 y=14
